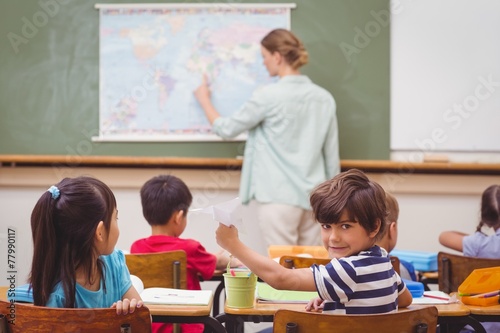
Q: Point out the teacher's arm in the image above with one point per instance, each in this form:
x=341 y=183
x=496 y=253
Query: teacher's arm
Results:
x=202 y=94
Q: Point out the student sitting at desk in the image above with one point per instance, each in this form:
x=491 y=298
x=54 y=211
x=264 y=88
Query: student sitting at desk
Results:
x=389 y=237
x=479 y=244
x=351 y=212
x=75 y=230
x=165 y=202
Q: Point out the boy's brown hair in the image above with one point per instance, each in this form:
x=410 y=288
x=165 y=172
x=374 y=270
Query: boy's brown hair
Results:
x=363 y=199
x=392 y=208
x=162 y=196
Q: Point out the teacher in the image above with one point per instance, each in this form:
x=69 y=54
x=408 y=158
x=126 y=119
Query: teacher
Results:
x=292 y=143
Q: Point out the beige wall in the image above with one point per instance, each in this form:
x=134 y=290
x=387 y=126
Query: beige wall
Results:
x=429 y=204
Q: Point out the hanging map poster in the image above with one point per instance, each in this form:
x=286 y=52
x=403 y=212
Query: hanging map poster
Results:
x=152 y=57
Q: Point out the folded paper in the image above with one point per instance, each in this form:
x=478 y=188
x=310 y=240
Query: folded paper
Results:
x=227 y=213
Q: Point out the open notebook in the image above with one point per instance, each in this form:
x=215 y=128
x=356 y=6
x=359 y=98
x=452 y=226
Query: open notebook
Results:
x=168 y=296
x=267 y=294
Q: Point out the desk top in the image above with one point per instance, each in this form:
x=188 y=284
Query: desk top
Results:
x=180 y=310
x=157 y=309
x=444 y=310
x=265 y=309
x=447 y=310
x=484 y=310
x=431 y=275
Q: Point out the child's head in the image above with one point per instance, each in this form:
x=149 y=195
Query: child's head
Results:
x=389 y=237
x=490 y=208
x=72 y=224
x=348 y=202
x=288 y=45
x=163 y=196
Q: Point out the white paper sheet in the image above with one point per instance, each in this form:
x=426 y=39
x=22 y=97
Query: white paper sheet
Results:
x=434 y=297
x=170 y=296
x=227 y=213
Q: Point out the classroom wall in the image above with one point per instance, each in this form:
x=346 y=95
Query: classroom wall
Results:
x=429 y=204
x=49 y=82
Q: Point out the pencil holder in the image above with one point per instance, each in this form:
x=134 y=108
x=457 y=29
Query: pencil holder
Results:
x=240 y=289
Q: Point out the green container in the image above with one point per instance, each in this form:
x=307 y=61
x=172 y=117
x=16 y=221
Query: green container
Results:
x=240 y=289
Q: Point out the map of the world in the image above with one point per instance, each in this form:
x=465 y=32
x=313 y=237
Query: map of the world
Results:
x=152 y=59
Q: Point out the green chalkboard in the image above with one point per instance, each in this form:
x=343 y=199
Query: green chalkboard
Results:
x=49 y=78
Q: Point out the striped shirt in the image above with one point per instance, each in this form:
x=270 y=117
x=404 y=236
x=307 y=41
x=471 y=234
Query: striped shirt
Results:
x=362 y=284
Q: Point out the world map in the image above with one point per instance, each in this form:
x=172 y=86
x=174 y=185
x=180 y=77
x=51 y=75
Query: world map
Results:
x=152 y=60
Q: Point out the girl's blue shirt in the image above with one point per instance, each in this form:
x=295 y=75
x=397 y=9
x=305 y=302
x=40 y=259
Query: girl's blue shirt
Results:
x=116 y=277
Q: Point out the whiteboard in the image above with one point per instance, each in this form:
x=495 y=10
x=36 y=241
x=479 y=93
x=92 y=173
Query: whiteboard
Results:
x=445 y=76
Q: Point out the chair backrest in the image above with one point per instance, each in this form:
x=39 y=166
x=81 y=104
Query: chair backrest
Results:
x=161 y=269
x=276 y=251
x=301 y=262
x=22 y=318
x=453 y=269
x=305 y=262
x=420 y=320
x=395 y=264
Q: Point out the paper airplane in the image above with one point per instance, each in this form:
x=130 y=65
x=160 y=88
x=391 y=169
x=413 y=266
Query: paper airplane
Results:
x=227 y=213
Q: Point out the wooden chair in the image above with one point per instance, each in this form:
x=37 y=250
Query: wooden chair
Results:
x=316 y=251
x=39 y=319
x=301 y=262
x=453 y=269
x=161 y=269
x=411 y=321
x=305 y=262
x=395 y=264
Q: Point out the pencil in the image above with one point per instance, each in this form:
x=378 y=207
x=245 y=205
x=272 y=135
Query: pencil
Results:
x=437 y=297
x=467 y=294
x=487 y=295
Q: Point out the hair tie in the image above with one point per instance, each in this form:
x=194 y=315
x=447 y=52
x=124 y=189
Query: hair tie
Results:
x=54 y=191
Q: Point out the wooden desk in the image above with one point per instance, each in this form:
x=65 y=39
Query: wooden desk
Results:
x=186 y=314
x=261 y=312
x=485 y=313
x=218 y=291
x=428 y=278
x=173 y=314
x=452 y=317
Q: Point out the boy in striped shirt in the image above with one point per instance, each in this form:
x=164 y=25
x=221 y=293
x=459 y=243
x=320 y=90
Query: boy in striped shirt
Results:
x=351 y=212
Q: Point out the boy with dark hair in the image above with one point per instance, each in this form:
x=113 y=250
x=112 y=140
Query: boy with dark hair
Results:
x=165 y=203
